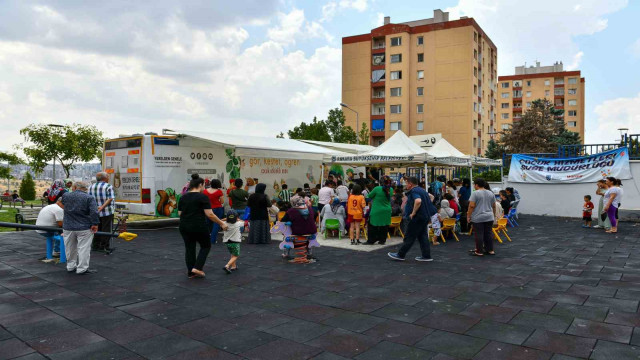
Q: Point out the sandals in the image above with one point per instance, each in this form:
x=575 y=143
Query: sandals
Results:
x=197 y=273
x=475 y=254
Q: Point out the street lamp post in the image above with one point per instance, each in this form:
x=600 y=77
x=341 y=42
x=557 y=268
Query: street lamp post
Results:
x=357 y=122
x=54 y=158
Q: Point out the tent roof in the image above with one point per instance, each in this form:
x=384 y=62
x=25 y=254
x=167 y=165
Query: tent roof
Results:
x=348 y=148
x=443 y=151
x=255 y=146
x=398 y=150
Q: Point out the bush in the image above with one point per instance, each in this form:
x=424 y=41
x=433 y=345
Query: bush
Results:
x=27 y=188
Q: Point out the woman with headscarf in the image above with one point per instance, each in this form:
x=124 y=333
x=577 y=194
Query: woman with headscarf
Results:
x=380 y=214
x=336 y=212
x=602 y=189
x=259 y=204
x=55 y=192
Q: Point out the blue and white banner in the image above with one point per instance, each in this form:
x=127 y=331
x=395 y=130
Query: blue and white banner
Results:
x=586 y=169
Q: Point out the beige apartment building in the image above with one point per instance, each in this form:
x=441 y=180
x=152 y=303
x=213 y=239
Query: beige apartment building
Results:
x=423 y=77
x=565 y=89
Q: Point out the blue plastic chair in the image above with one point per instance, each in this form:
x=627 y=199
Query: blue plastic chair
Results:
x=511 y=217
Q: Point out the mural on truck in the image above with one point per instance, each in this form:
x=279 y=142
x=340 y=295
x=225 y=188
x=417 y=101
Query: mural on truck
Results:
x=167 y=203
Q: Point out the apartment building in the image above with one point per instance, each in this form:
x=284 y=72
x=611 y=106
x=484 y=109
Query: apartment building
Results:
x=422 y=77
x=565 y=89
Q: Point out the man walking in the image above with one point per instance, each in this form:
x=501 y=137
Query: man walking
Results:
x=417 y=213
x=103 y=192
x=80 y=223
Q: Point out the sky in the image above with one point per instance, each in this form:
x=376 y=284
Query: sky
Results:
x=259 y=67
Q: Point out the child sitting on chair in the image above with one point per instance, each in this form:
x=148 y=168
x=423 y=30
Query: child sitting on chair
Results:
x=232 y=238
x=273 y=211
x=587 y=210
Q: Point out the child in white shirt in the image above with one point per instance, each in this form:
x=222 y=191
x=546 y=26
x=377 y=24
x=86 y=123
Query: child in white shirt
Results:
x=273 y=211
x=232 y=238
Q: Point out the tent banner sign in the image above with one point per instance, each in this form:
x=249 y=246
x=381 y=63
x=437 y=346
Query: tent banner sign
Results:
x=586 y=169
x=369 y=158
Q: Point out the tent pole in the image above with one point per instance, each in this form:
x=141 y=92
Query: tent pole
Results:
x=425 y=175
x=471 y=176
x=322 y=175
x=502 y=176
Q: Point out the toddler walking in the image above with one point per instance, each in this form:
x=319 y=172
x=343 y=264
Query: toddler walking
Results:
x=231 y=238
x=587 y=209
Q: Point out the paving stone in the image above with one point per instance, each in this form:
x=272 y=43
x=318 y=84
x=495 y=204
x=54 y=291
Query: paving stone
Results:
x=362 y=305
x=577 y=280
x=163 y=345
x=582 y=312
x=612 y=303
x=343 y=342
x=592 y=290
x=539 y=306
x=63 y=341
x=623 y=318
x=282 y=349
x=482 y=297
x=12 y=348
x=400 y=312
x=204 y=353
x=443 y=305
x=260 y=320
x=490 y=312
x=325 y=355
x=606 y=350
x=313 y=312
x=130 y=331
x=398 y=332
x=501 y=351
x=506 y=333
x=560 y=343
x=329 y=298
x=299 y=330
x=239 y=340
x=598 y=330
x=635 y=338
x=353 y=321
x=562 y=297
x=202 y=329
x=42 y=328
x=99 y=350
x=147 y=307
x=27 y=317
x=4 y=334
x=389 y=350
x=519 y=291
x=553 y=323
x=456 y=345
x=448 y=322
x=175 y=316
x=102 y=321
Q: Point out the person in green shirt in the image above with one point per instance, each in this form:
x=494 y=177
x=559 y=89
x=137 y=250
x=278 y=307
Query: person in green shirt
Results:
x=238 y=197
x=380 y=214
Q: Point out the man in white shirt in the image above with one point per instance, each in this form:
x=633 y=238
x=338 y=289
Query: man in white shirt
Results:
x=51 y=216
x=343 y=193
x=325 y=195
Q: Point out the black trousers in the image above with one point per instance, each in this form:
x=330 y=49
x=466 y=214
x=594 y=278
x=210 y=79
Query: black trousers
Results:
x=483 y=236
x=190 y=240
x=464 y=225
x=416 y=230
x=106 y=225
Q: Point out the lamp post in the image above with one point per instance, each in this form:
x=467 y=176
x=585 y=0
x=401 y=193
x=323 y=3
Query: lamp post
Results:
x=623 y=135
x=54 y=158
x=357 y=122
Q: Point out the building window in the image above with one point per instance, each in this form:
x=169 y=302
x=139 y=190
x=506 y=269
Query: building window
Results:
x=396 y=58
x=505 y=85
x=572 y=91
x=504 y=105
x=475 y=89
x=572 y=123
x=419 y=125
x=475 y=54
x=573 y=102
x=517 y=83
x=475 y=36
x=421 y=57
x=475 y=124
x=505 y=95
x=420 y=108
x=505 y=126
x=517 y=93
x=528 y=93
x=559 y=81
x=420 y=74
x=572 y=113
x=528 y=104
x=396 y=109
x=396 y=91
x=505 y=115
x=546 y=93
x=528 y=82
x=396 y=41
x=377 y=75
x=420 y=40
x=394 y=126
x=573 y=80
x=475 y=142
x=475 y=71
x=396 y=75
x=420 y=91
x=546 y=83
x=475 y=107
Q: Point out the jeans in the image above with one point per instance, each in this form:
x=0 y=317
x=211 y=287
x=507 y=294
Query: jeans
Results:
x=416 y=230
x=483 y=236
x=215 y=228
x=78 y=248
x=55 y=243
x=190 y=241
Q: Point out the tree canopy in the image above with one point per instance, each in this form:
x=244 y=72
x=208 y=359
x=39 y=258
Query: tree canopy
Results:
x=68 y=144
x=333 y=129
x=538 y=131
x=27 y=189
x=494 y=150
x=10 y=159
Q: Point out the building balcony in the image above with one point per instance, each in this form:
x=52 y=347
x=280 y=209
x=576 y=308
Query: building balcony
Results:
x=377 y=133
x=377 y=100
x=558 y=85
x=377 y=116
x=517 y=98
x=558 y=96
x=516 y=88
x=379 y=50
x=517 y=109
x=377 y=67
x=377 y=84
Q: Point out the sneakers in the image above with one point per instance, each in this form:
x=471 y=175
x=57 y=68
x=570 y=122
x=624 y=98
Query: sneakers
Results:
x=87 y=272
x=597 y=227
x=420 y=258
x=47 y=261
x=395 y=256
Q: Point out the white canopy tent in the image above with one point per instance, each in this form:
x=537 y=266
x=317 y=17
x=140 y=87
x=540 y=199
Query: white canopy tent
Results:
x=347 y=148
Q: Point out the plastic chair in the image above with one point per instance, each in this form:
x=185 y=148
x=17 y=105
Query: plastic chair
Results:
x=511 y=217
x=448 y=225
x=514 y=206
x=363 y=228
x=501 y=227
x=395 y=225
x=332 y=224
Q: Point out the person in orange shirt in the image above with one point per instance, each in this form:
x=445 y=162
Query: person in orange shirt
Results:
x=355 y=211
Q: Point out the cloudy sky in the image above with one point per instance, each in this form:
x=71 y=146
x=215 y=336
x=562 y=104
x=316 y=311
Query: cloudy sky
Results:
x=261 y=66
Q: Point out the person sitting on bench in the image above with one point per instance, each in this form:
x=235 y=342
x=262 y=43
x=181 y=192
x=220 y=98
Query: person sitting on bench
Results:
x=51 y=216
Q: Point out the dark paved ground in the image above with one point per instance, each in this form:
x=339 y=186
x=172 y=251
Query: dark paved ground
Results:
x=557 y=292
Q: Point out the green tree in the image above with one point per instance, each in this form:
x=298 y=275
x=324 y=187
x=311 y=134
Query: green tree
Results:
x=336 y=127
x=10 y=159
x=332 y=130
x=494 y=150
x=68 y=145
x=363 y=135
x=315 y=130
x=566 y=137
x=535 y=132
x=27 y=189
x=280 y=136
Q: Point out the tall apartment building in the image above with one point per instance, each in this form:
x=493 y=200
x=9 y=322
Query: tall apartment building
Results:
x=423 y=77
x=565 y=89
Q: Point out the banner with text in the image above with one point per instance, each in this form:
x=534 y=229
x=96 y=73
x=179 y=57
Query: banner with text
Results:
x=591 y=168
